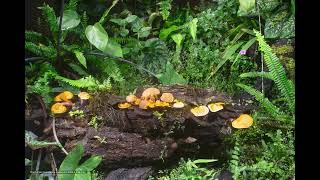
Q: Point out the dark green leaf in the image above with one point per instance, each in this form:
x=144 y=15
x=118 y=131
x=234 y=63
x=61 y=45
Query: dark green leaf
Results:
x=120 y=22
x=144 y=32
x=113 y=48
x=97 y=36
x=90 y=163
x=131 y=18
x=280 y=26
x=124 y=32
x=27 y=162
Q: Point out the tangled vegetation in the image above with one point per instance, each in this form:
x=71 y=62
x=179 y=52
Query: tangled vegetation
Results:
x=230 y=46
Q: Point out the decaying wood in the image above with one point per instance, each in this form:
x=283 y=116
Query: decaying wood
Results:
x=134 y=137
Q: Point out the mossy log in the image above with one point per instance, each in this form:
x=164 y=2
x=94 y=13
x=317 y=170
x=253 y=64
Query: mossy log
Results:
x=134 y=137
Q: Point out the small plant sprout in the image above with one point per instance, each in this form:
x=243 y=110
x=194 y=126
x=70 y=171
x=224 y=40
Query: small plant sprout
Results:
x=101 y=140
x=94 y=121
x=76 y=113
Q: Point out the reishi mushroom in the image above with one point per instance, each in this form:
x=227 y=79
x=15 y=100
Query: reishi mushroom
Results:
x=58 y=108
x=124 y=105
x=167 y=97
x=243 y=121
x=215 y=107
x=64 y=96
x=200 y=111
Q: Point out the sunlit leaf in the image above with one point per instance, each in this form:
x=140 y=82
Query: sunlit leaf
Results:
x=193 y=28
x=177 y=38
x=97 y=36
x=81 y=58
x=170 y=76
x=70 y=19
x=70 y=163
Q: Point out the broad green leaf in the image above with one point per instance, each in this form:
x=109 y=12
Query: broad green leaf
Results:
x=193 y=28
x=246 y=5
x=120 y=22
x=81 y=58
x=164 y=33
x=97 y=36
x=90 y=163
x=70 y=163
x=70 y=19
x=33 y=143
x=177 y=38
x=124 y=32
x=170 y=76
x=113 y=48
x=280 y=26
x=131 y=18
x=83 y=176
x=144 y=32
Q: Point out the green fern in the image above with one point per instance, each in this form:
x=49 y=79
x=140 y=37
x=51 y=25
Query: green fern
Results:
x=277 y=71
x=257 y=74
x=41 y=50
x=271 y=108
x=165 y=7
x=72 y=5
x=84 y=19
x=51 y=19
x=32 y=36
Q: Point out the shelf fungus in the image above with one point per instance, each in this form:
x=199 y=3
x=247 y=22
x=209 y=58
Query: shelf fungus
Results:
x=84 y=97
x=243 y=121
x=167 y=97
x=124 y=105
x=200 y=111
x=58 y=108
x=64 y=96
x=215 y=107
x=178 y=104
x=131 y=98
x=150 y=94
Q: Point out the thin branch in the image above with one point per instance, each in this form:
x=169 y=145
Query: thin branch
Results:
x=55 y=135
x=33 y=59
x=54 y=168
x=122 y=60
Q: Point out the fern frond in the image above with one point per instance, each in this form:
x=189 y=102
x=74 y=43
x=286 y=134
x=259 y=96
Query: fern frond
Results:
x=33 y=36
x=50 y=17
x=84 y=19
x=278 y=72
x=165 y=7
x=257 y=74
x=270 y=108
x=72 y=5
x=41 y=50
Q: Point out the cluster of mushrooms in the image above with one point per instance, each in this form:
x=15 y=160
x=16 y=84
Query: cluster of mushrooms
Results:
x=64 y=101
x=149 y=99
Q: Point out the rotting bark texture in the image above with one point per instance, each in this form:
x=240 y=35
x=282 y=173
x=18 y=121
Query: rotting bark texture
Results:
x=135 y=137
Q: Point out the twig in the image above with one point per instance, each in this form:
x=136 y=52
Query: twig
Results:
x=122 y=60
x=55 y=135
x=55 y=170
x=33 y=59
x=44 y=110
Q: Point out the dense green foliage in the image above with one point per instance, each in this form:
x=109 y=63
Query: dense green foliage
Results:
x=120 y=45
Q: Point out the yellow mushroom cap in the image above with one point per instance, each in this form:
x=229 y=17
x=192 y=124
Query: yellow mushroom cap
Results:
x=178 y=105
x=64 y=96
x=58 y=98
x=58 y=108
x=124 y=105
x=131 y=98
x=137 y=101
x=215 y=107
x=84 y=95
x=200 y=111
x=167 y=97
x=150 y=92
x=243 y=121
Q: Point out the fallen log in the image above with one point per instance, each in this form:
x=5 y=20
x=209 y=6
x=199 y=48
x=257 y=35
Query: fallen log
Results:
x=134 y=137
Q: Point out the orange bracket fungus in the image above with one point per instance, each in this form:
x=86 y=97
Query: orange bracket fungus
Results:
x=200 y=111
x=150 y=93
x=167 y=97
x=131 y=98
x=58 y=108
x=64 y=96
x=243 y=121
x=178 y=105
x=124 y=105
x=215 y=107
